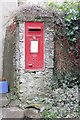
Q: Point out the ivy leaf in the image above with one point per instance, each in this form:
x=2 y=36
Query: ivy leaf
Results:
x=68 y=34
x=76 y=28
x=71 y=33
x=68 y=20
x=73 y=40
x=74 y=18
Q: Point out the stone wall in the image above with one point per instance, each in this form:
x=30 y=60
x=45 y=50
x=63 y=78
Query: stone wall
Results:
x=35 y=83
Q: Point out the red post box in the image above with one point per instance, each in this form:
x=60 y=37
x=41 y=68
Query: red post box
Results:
x=34 y=45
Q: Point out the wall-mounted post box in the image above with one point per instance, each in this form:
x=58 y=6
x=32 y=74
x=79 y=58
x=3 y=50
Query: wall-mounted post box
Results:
x=34 y=45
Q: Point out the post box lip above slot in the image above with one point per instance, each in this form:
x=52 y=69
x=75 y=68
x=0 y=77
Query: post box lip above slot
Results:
x=34 y=29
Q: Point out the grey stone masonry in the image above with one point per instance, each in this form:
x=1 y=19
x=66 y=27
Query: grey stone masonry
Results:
x=12 y=112
x=35 y=83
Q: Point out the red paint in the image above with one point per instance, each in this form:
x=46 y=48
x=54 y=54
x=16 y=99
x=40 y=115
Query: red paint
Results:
x=34 y=31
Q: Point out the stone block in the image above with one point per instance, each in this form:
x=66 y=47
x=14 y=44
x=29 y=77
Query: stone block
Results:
x=32 y=113
x=0 y=113
x=12 y=112
x=3 y=100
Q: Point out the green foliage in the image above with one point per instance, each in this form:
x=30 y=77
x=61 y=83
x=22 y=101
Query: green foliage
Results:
x=68 y=14
x=72 y=14
x=53 y=5
x=63 y=80
x=48 y=114
x=12 y=96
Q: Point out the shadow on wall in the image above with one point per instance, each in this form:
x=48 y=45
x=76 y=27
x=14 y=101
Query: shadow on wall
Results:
x=9 y=55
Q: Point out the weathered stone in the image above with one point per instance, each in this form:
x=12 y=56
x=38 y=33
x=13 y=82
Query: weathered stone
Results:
x=36 y=83
x=3 y=100
x=1 y=114
x=12 y=112
x=14 y=103
x=32 y=113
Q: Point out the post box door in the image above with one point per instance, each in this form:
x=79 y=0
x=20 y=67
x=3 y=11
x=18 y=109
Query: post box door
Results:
x=34 y=45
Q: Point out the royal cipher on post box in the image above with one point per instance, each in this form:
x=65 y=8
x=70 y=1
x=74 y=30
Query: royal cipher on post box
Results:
x=34 y=45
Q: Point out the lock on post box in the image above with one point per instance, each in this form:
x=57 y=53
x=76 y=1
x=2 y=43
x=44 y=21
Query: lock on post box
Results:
x=34 y=45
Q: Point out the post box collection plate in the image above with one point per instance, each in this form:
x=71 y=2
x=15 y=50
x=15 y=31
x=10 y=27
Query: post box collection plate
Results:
x=34 y=45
